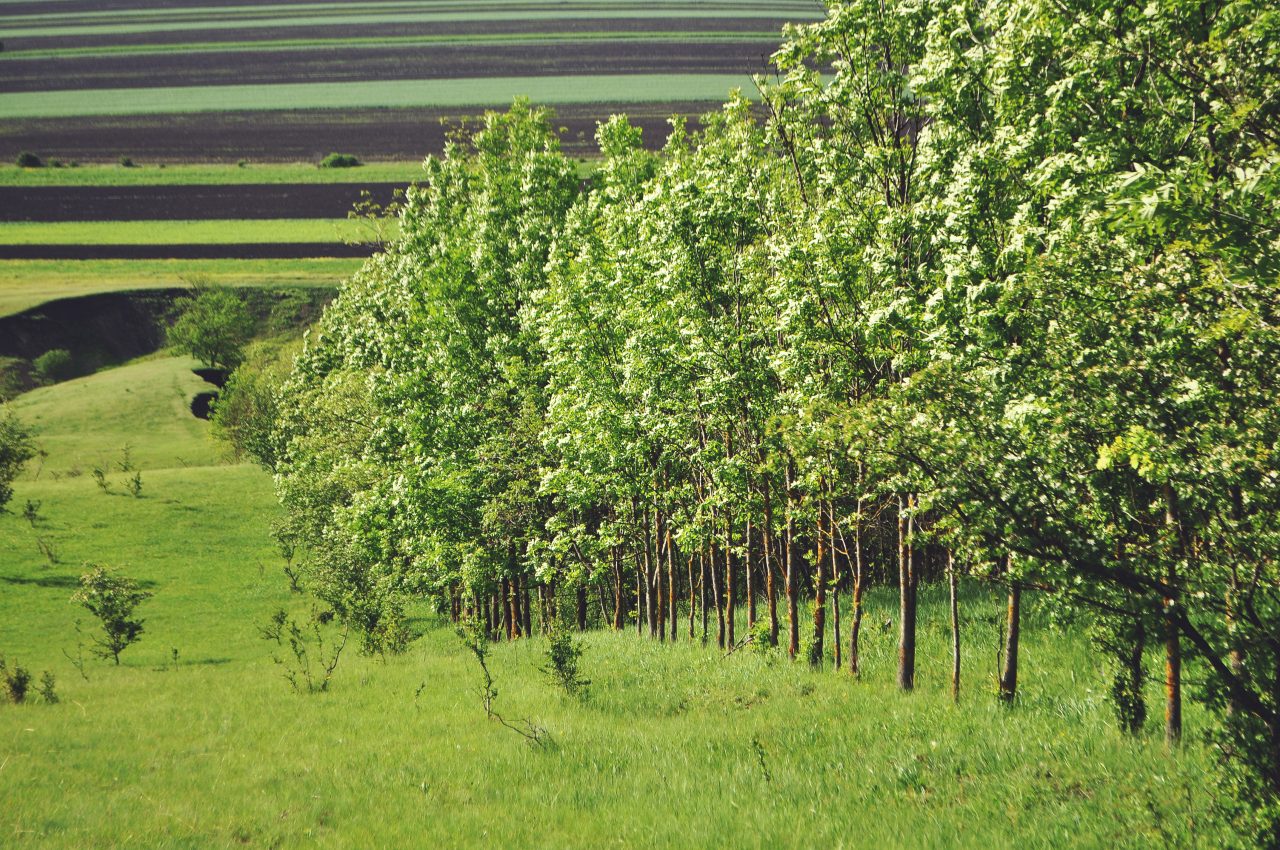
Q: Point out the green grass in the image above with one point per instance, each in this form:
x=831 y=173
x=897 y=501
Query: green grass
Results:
x=28 y=283
x=166 y=232
x=478 y=39
x=473 y=91
x=209 y=174
x=676 y=746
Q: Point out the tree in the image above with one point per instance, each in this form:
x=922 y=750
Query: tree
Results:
x=16 y=448
x=213 y=326
x=112 y=598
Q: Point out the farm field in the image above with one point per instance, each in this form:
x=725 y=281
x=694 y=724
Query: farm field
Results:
x=733 y=751
x=72 y=71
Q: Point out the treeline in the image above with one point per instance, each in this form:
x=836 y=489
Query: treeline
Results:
x=965 y=289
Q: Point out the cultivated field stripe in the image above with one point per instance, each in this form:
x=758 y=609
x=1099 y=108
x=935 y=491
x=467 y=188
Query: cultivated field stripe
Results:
x=343 y=44
x=485 y=91
x=210 y=175
x=695 y=12
x=175 y=232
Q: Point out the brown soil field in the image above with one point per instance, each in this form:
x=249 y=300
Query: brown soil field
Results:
x=356 y=30
x=347 y=64
x=244 y=251
x=136 y=203
x=296 y=135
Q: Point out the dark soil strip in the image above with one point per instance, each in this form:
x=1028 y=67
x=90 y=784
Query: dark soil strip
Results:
x=241 y=251
x=355 y=30
x=136 y=203
x=295 y=135
x=404 y=63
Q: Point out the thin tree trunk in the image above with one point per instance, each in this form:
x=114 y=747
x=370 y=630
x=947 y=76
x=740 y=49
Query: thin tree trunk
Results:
x=719 y=600
x=661 y=608
x=703 y=558
x=1172 y=644
x=749 y=541
x=582 y=605
x=525 y=614
x=792 y=581
x=650 y=613
x=955 y=627
x=672 y=607
x=820 y=593
x=837 y=643
x=907 y=579
x=855 y=628
x=1013 y=629
x=692 y=600
x=730 y=561
x=770 y=589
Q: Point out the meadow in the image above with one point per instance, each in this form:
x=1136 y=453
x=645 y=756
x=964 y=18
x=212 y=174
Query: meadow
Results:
x=196 y=740
x=177 y=232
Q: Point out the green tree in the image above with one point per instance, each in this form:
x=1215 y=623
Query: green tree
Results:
x=112 y=598
x=16 y=448
x=213 y=326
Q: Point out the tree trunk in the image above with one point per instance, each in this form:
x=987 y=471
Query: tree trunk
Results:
x=672 y=607
x=582 y=605
x=907 y=583
x=1013 y=628
x=749 y=542
x=836 y=639
x=719 y=600
x=730 y=562
x=770 y=589
x=855 y=628
x=619 y=598
x=1172 y=644
x=955 y=626
x=817 y=651
x=525 y=614
x=692 y=600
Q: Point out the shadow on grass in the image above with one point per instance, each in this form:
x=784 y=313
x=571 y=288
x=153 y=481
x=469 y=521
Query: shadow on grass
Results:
x=63 y=582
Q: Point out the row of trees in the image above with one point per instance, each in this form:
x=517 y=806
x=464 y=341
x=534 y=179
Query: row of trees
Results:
x=970 y=287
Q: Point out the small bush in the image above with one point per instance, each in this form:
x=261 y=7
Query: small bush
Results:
x=16 y=681
x=27 y=159
x=135 y=485
x=340 y=160
x=126 y=162
x=54 y=365
x=563 y=654
x=47 y=692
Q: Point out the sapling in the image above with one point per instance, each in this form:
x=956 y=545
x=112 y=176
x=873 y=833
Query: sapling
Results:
x=112 y=598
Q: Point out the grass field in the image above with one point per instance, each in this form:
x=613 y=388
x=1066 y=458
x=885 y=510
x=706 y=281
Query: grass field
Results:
x=676 y=746
x=201 y=232
x=29 y=283
x=472 y=92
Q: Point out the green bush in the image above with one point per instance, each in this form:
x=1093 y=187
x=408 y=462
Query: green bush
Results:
x=27 y=159
x=340 y=160
x=126 y=162
x=54 y=365
x=112 y=598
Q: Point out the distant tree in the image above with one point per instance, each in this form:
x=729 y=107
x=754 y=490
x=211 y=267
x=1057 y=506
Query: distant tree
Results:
x=213 y=327
x=340 y=160
x=27 y=159
x=54 y=365
x=112 y=598
x=16 y=448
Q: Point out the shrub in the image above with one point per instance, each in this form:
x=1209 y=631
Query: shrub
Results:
x=16 y=681
x=126 y=162
x=213 y=326
x=54 y=365
x=340 y=160
x=16 y=448
x=27 y=159
x=112 y=598
x=47 y=692
x=563 y=654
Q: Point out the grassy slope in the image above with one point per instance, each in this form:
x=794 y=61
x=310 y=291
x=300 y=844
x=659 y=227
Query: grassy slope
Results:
x=29 y=283
x=676 y=747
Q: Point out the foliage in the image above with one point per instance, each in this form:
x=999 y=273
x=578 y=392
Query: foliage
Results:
x=16 y=448
x=17 y=680
x=247 y=407
x=340 y=160
x=563 y=655
x=54 y=365
x=112 y=598
x=314 y=649
x=26 y=159
x=213 y=326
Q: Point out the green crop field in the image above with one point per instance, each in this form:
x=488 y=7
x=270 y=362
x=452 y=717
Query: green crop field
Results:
x=475 y=92
x=197 y=741
x=201 y=232
x=29 y=283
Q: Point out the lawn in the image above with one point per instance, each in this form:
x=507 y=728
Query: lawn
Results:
x=197 y=741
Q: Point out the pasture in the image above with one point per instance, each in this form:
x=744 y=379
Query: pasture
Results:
x=196 y=740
